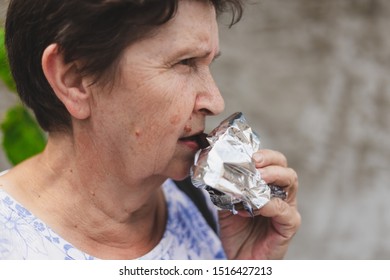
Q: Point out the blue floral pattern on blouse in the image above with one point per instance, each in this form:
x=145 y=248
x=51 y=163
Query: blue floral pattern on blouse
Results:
x=187 y=234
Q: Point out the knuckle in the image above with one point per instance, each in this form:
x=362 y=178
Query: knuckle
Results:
x=283 y=160
x=281 y=206
x=294 y=178
x=298 y=220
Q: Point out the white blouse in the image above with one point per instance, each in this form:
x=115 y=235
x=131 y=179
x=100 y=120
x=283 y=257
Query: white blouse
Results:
x=187 y=234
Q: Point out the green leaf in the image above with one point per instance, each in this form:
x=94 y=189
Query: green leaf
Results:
x=22 y=137
x=5 y=73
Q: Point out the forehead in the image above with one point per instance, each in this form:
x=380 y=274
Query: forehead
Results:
x=194 y=27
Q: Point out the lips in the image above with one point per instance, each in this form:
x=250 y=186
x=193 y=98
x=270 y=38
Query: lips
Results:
x=197 y=141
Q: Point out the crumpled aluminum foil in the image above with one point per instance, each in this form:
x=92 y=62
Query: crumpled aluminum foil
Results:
x=226 y=169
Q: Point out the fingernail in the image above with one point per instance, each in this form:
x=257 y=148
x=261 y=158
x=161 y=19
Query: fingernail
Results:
x=258 y=157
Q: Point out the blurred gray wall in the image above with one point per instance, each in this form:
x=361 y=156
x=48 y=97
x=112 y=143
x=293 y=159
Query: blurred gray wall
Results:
x=311 y=77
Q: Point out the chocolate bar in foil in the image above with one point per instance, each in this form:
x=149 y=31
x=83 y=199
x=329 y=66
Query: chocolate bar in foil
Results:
x=226 y=170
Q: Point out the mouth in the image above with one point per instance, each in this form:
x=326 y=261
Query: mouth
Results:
x=196 y=141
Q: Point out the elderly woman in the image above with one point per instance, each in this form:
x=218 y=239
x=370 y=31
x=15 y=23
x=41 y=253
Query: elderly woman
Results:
x=123 y=88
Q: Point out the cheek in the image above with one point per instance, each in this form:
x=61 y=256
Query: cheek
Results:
x=173 y=108
x=161 y=133
x=174 y=120
x=161 y=107
x=161 y=124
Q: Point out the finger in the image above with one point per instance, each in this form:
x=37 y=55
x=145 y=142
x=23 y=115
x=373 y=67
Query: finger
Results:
x=285 y=219
x=269 y=157
x=283 y=177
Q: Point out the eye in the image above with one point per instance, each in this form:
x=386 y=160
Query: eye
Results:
x=187 y=65
x=187 y=62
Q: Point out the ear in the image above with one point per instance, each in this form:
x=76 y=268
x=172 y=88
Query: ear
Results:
x=67 y=83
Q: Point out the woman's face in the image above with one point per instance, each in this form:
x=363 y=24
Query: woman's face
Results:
x=162 y=94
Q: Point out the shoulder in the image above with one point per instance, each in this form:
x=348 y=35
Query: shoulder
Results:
x=26 y=237
x=3 y=181
x=20 y=233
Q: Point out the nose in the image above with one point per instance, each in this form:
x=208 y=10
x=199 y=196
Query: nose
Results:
x=209 y=100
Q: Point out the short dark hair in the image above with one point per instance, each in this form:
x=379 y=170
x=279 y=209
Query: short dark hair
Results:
x=93 y=31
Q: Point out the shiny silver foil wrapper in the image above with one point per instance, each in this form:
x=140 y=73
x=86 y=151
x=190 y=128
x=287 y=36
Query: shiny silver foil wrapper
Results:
x=226 y=170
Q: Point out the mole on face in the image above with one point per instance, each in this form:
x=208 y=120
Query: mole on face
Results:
x=174 y=120
x=187 y=128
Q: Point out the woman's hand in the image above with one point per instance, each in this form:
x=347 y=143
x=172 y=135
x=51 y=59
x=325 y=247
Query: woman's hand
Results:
x=268 y=234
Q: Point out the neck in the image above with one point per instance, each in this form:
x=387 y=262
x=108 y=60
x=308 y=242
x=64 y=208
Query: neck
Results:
x=103 y=209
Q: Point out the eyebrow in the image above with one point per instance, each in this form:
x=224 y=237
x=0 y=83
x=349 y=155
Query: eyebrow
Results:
x=196 y=52
x=218 y=54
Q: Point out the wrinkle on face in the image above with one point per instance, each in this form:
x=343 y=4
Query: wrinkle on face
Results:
x=154 y=102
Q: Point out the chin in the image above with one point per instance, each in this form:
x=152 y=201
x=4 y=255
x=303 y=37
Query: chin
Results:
x=180 y=171
x=180 y=176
